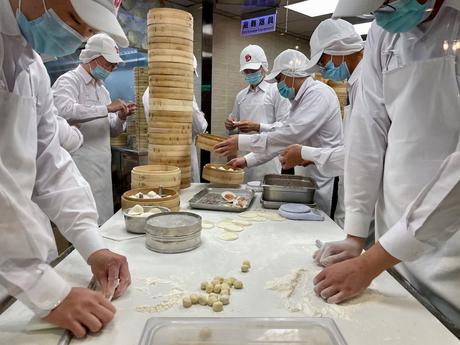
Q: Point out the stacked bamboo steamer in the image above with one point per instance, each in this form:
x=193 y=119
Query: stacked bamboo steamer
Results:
x=153 y=176
x=137 y=127
x=170 y=38
x=340 y=89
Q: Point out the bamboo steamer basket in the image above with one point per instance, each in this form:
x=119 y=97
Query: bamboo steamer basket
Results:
x=178 y=68
x=170 y=139
x=172 y=81
x=213 y=175
x=171 y=49
x=171 y=201
x=164 y=127
x=154 y=56
x=171 y=93
x=160 y=104
x=179 y=162
x=184 y=44
x=174 y=151
x=156 y=14
x=170 y=30
x=153 y=176
x=170 y=116
x=185 y=75
x=205 y=141
x=160 y=18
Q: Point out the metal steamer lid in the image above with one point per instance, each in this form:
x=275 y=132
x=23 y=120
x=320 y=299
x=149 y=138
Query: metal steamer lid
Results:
x=173 y=225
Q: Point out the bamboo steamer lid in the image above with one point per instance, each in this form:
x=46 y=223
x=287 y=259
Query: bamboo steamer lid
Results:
x=213 y=175
x=160 y=18
x=183 y=42
x=172 y=81
x=206 y=141
x=170 y=30
x=160 y=104
x=171 y=201
x=168 y=12
x=166 y=138
x=153 y=176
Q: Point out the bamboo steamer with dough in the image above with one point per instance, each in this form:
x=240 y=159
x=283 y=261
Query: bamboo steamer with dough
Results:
x=206 y=141
x=220 y=174
x=171 y=199
x=153 y=176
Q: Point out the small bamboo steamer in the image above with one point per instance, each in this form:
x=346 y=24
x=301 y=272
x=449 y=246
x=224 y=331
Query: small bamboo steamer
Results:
x=160 y=104
x=168 y=138
x=185 y=44
x=172 y=81
x=153 y=176
x=178 y=67
x=205 y=141
x=156 y=13
x=181 y=152
x=172 y=201
x=213 y=175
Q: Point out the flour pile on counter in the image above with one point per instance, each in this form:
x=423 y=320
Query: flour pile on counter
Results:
x=164 y=293
x=297 y=294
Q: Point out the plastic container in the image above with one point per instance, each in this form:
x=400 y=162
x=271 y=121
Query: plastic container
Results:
x=241 y=331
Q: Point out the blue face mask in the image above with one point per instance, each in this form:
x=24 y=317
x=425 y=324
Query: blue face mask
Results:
x=403 y=16
x=335 y=73
x=48 y=34
x=286 y=91
x=99 y=73
x=254 y=78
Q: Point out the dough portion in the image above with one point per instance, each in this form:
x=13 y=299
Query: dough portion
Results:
x=230 y=227
x=229 y=236
x=241 y=222
x=206 y=224
x=248 y=215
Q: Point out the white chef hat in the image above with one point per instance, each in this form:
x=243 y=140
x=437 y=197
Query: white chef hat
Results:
x=333 y=37
x=351 y=8
x=291 y=63
x=101 y=44
x=253 y=57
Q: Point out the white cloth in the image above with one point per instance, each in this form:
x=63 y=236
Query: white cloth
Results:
x=314 y=120
x=38 y=179
x=330 y=161
x=199 y=125
x=78 y=96
x=70 y=137
x=401 y=152
x=266 y=106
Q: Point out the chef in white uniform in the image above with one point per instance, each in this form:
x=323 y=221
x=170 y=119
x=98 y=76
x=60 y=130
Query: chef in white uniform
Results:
x=336 y=51
x=38 y=179
x=314 y=120
x=199 y=125
x=258 y=107
x=80 y=95
x=403 y=155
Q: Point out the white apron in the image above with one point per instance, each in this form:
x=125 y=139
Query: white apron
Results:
x=423 y=103
x=94 y=160
x=273 y=166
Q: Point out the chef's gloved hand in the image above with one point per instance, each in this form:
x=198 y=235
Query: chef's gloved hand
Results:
x=333 y=252
x=230 y=123
x=111 y=272
x=82 y=310
x=227 y=147
x=248 y=126
x=239 y=162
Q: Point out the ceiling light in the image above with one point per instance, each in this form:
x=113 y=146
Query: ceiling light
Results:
x=362 y=28
x=314 y=8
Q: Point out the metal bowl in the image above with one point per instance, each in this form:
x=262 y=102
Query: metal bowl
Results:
x=136 y=224
x=174 y=232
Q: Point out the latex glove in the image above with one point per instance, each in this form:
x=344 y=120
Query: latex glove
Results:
x=291 y=156
x=248 y=126
x=132 y=107
x=229 y=123
x=118 y=105
x=82 y=310
x=333 y=252
x=344 y=280
x=239 y=162
x=111 y=272
x=227 y=147
x=349 y=278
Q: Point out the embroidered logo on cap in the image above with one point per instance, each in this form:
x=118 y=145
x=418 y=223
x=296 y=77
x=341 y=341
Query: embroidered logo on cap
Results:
x=248 y=58
x=117 y=4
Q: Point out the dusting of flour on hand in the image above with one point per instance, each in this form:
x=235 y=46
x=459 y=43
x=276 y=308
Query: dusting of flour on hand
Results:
x=297 y=295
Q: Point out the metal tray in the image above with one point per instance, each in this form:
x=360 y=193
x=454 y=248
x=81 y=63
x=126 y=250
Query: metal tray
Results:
x=289 y=188
x=274 y=205
x=211 y=199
